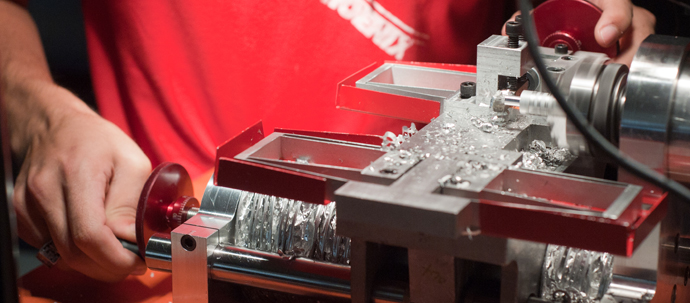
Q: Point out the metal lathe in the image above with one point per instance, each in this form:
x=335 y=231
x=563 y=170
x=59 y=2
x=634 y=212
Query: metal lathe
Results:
x=497 y=198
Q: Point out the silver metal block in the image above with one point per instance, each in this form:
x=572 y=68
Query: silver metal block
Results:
x=191 y=247
x=495 y=58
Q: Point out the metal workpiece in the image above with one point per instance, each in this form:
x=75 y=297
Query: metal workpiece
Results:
x=497 y=63
x=528 y=103
x=495 y=58
x=646 y=127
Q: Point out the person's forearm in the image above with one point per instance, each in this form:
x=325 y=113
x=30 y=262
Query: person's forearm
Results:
x=23 y=73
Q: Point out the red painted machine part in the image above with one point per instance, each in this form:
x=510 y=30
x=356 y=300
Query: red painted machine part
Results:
x=350 y=97
x=613 y=236
x=570 y=22
x=167 y=194
x=265 y=179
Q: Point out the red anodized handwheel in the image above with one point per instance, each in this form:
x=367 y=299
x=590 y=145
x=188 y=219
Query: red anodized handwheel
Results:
x=570 y=22
x=166 y=197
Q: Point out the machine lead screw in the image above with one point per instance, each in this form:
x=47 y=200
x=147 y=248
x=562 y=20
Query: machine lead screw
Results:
x=513 y=30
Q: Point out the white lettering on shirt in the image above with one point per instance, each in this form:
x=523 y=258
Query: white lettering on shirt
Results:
x=376 y=23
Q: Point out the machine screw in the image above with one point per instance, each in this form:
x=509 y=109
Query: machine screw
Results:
x=188 y=243
x=561 y=49
x=513 y=30
x=518 y=19
x=468 y=89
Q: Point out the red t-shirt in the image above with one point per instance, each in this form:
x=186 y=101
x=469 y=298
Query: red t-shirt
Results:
x=181 y=77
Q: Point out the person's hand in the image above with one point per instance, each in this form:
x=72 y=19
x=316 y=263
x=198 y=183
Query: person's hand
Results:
x=620 y=21
x=79 y=185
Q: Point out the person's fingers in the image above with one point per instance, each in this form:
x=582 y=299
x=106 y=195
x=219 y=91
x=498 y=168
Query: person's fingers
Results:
x=614 y=22
x=512 y=18
x=642 y=26
x=128 y=179
x=30 y=224
x=43 y=184
x=85 y=191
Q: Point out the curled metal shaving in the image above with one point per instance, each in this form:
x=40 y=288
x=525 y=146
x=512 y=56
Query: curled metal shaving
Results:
x=291 y=228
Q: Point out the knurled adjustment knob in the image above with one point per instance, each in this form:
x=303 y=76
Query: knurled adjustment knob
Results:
x=165 y=202
x=177 y=211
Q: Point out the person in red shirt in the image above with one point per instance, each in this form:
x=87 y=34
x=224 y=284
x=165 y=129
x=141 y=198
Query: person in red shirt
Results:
x=174 y=79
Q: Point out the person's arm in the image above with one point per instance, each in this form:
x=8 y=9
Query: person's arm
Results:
x=81 y=176
x=620 y=21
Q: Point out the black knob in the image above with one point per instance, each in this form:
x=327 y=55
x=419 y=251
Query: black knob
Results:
x=561 y=49
x=468 y=89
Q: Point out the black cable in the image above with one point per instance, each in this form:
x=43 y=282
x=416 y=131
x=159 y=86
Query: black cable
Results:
x=583 y=126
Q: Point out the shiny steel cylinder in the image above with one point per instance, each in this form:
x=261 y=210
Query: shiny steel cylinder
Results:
x=625 y=289
x=538 y=103
x=158 y=254
x=679 y=138
x=299 y=276
x=655 y=118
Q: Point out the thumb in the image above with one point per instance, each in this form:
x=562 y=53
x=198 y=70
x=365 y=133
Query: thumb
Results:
x=122 y=200
x=614 y=22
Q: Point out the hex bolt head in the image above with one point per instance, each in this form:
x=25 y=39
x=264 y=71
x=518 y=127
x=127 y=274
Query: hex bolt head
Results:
x=188 y=243
x=518 y=19
x=561 y=49
x=513 y=30
x=468 y=89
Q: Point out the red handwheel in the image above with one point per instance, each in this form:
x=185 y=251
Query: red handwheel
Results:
x=572 y=23
x=167 y=196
